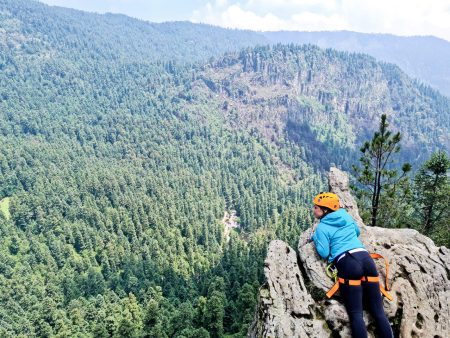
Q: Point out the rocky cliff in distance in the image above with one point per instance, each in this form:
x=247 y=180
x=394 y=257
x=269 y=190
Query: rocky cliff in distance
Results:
x=422 y=57
x=292 y=302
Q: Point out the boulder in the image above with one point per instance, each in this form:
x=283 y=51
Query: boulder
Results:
x=292 y=302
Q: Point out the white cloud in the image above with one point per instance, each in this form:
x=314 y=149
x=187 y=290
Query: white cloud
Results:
x=401 y=17
x=221 y=3
x=234 y=16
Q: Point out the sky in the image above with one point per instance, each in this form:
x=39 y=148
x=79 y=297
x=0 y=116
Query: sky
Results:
x=399 y=17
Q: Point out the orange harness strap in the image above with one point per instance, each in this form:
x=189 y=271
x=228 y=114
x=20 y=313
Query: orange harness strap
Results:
x=369 y=279
x=382 y=289
x=333 y=290
x=378 y=256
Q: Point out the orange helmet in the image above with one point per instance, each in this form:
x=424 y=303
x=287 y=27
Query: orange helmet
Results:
x=328 y=200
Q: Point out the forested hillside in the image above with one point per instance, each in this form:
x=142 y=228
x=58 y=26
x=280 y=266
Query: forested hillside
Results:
x=326 y=101
x=117 y=168
x=51 y=31
x=422 y=57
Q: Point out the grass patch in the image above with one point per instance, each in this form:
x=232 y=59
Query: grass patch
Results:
x=4 y=207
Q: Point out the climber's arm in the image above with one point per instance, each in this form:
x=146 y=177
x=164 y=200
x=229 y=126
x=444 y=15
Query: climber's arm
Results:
x=322 y=243
x=358 y=232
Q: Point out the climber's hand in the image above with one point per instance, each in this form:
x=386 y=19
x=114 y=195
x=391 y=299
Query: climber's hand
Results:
x=306 y=237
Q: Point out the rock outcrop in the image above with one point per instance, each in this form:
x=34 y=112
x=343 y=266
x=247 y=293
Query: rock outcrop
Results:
x=292 y=303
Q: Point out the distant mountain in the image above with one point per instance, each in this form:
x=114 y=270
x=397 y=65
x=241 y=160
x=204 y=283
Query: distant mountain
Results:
x=426 y=58
x=325 y=99
x=115 y=36
x=36 y=27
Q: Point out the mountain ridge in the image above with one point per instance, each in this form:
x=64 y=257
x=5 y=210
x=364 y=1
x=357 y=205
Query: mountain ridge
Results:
x=119 y=169
x=422 y=57
x=426 y=64
x=325 y=90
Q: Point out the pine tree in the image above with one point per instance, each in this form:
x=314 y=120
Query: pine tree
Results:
x=432 y=191
x=215 y=312
x=377 y=174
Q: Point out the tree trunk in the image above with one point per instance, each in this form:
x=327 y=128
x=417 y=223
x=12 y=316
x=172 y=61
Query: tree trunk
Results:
x=429 y=209
x=376 y=191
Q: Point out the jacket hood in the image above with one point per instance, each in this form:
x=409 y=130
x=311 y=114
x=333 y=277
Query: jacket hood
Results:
x=338 y=218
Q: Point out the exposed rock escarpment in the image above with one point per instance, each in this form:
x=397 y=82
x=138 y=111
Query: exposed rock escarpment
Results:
x=292 y=302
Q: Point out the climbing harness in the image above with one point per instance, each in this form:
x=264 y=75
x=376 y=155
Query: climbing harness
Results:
x=331 y=272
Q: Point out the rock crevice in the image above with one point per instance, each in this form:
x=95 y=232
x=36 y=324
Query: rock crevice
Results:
x=293 y=304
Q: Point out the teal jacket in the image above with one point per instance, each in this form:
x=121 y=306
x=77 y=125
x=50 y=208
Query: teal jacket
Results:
x=336 y=233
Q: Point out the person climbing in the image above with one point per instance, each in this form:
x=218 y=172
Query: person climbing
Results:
x=336 y=239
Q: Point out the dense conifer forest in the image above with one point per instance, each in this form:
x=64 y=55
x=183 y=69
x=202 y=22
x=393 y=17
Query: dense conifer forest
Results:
x=124 y=149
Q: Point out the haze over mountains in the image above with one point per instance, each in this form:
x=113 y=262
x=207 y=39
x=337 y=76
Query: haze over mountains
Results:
x=422 y=57
x=123 y=144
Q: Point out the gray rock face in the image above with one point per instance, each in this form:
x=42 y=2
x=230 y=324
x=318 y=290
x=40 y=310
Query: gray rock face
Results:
x=292 y=303
x=286 y=308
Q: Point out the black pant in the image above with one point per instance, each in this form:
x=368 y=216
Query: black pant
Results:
x=354 y=266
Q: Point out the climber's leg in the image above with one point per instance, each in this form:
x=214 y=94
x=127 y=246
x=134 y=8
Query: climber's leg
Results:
x=374 y=300
x=375 y=306
x=352 y=296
